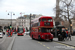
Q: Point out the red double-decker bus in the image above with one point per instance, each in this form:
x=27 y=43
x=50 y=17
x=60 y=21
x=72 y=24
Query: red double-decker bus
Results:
x=20 y=30
x=41 y=28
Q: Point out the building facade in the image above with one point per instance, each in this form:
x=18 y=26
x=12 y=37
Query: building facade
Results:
x=7 y=22
x=25 y=20
x=73 y=24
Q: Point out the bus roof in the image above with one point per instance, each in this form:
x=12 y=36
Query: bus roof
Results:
x=46 y=17
x=41 y=17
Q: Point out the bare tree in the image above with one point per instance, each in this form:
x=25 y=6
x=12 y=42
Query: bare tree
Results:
x=66 y=10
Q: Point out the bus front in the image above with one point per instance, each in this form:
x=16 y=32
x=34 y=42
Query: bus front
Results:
x=45 y=33
x=20 y=31
x=46 y=24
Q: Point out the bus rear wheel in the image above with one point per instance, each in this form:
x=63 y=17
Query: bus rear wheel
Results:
x=32 y=37
x=51 y=39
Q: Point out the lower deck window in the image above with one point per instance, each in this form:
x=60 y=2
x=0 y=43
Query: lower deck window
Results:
x=45 y=30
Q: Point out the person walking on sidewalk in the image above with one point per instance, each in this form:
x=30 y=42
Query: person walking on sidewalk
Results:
x=10 y=31
x=7 y=32
x=69 y=36
x=64 y=35
x=58 y=35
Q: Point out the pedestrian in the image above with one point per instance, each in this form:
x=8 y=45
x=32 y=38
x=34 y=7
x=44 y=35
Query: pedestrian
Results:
x=53 y=32
x=11 y=31
x=58 y=34
x=64 y=34
x=7 y=32
x=69 y=35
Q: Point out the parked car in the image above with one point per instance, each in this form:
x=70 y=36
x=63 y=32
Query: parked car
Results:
x=27 y=33
x=1 y=34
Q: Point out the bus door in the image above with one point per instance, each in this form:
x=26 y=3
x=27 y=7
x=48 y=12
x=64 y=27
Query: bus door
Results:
x=39 y=31
x=36 y=33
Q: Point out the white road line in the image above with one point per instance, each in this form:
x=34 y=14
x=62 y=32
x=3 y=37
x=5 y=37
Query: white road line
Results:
x=44 y=45
x=38 y=42
x=41 y=43
x=2 y=40
x=66 y=45
x=48 y=47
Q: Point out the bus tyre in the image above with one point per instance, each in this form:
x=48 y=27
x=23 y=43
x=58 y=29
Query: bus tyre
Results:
x=51 y=39
x=22 y=35
x=32 y=37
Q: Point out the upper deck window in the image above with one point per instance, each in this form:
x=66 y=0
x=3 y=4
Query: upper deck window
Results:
x=49 y=20
x=43 y=19
x=39 y=20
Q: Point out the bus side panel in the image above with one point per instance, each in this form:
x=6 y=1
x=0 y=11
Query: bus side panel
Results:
x=36 y=33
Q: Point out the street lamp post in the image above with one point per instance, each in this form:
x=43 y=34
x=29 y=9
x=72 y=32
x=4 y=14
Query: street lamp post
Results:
x=11 y=16
x=30 y=23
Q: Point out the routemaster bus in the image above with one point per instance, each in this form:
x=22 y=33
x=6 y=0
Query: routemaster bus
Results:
x=41 y=28
x=20 y=30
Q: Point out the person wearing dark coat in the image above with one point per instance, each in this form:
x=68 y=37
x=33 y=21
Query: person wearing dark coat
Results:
x=58 y=35
x=63 y=34
x=58 y=32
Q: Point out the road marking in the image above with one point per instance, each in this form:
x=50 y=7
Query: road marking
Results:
x=11 y=44
x=48 y=47
x=73 y=47
x=66 y=45
x=62 y=44
x=3 y=40
x=41 y=43
x=44 y=45
x=38 y=42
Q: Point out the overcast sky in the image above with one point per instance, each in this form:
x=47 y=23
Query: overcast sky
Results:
x=44 y=7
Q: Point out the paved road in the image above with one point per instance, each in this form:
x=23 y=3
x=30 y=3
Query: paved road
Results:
x=5 y=42
x=1 y=39
x=26 y=43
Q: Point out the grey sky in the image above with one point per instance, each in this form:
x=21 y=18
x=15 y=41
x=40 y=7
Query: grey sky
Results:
x=44 y=7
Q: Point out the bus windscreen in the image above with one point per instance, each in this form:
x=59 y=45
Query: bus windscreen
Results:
x=45 y=30
x=20 y=30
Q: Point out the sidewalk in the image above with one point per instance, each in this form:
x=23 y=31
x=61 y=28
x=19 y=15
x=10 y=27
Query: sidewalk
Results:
x=68 y=42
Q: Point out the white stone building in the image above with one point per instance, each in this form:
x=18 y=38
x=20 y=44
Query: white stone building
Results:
x=7 y=22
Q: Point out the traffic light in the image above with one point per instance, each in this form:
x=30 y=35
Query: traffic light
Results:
x=10 y=26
